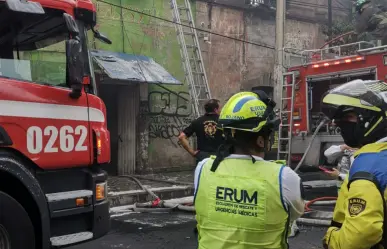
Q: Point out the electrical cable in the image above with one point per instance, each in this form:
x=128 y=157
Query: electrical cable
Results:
x=184 y=25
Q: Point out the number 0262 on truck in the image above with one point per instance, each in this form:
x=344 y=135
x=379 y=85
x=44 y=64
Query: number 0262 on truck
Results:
x=304 y=84
x=53 y=131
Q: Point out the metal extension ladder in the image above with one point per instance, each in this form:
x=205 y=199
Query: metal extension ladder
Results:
x=285 y=132
x=192 y=60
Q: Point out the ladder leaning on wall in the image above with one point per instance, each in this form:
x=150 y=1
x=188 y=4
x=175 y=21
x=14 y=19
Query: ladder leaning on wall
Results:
x=195 y=74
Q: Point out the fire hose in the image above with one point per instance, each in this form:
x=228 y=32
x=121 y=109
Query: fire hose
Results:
x=318 y=201
x=157 y=205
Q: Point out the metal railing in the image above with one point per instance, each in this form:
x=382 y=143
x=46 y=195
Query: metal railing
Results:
x=313 y=55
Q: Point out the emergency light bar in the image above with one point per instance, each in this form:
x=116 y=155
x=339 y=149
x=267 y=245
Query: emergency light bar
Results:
x=338 y=62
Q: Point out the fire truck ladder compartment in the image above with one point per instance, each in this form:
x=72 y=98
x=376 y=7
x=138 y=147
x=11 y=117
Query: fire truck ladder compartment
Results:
x=286 y=114
x=192 y=60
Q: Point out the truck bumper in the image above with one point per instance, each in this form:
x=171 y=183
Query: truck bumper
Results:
x=101 y=219
x=78 y=204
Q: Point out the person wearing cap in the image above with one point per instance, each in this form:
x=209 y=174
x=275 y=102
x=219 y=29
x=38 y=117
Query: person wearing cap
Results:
x=359 y=220
x=241 y=200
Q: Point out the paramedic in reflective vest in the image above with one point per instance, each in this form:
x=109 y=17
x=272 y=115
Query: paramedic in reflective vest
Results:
x=241 y=200
x=359 y=109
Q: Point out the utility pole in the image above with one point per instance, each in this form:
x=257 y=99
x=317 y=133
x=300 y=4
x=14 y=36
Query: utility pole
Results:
x=330 y=19
x=279 y=45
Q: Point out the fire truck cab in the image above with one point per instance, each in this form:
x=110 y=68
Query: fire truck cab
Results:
x=303 y=87
x=53 y=130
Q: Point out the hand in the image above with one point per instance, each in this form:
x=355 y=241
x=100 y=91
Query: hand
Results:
x=344 y=147
x=334 y=173
x=195 y=153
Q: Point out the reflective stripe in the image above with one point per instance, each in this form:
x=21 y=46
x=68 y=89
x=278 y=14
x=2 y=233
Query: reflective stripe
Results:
x=50 y=111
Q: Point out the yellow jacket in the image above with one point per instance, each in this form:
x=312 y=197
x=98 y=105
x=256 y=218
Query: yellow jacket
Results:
x=359 y=213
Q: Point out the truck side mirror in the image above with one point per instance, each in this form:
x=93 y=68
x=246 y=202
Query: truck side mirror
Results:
x=75 y=70
x=101 y=37
x=74 y=59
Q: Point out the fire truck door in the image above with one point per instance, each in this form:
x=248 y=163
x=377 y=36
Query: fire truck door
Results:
x=60 y=136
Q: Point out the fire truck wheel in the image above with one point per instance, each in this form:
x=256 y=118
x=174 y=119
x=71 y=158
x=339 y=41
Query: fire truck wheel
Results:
x=16 y=229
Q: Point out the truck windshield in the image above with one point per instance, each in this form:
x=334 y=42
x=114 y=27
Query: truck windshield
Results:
x=37 y=52
x=42 y=66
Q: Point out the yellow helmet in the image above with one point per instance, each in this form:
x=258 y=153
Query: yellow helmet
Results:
x=367 y=100
x=248 y=112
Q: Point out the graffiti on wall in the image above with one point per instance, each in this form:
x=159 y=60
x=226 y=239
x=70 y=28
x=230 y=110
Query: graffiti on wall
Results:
x=169 y=113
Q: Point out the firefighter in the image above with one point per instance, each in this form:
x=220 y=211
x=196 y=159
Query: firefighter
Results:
x=241 y=200
x=359 y=109
x=372 y=19
x=205 y=127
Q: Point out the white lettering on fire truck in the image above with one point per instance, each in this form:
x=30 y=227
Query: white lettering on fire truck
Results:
x=66 y=138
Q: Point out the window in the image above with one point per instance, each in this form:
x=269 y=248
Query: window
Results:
x=45 y=66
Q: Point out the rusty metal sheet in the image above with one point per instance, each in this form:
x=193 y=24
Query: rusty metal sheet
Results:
x=133 y=68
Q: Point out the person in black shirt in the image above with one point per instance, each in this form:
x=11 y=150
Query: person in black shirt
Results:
x=205 y=127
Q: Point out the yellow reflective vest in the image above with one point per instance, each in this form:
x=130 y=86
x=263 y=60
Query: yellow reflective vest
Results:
x=239 y=206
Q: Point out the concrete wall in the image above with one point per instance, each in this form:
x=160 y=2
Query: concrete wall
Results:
x=163 y=112
x=233 y=65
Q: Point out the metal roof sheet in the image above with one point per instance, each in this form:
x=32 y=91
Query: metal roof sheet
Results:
x=134 y=68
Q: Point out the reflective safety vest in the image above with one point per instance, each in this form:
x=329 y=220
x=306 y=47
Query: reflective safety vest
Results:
x=240 y=206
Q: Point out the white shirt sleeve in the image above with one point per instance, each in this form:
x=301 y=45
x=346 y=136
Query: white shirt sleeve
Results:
x=198 y=170
x=342 y=176
x=291 y=193
x=332 y=153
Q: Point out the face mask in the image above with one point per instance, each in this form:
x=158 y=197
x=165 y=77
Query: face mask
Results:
x=350 y=133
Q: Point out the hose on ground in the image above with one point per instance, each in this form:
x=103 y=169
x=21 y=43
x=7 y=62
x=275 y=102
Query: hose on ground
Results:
x=165 y=181
x=315 y=201
x=157 y=205
x=313 y=222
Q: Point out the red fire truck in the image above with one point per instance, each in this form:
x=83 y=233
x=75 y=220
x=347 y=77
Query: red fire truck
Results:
x=303 y=87
x=53 y=131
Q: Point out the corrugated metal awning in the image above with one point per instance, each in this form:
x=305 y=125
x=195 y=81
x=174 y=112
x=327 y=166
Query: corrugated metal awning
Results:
x=134 y=68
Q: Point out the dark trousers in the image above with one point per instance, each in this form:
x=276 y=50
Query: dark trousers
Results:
x=203 y=155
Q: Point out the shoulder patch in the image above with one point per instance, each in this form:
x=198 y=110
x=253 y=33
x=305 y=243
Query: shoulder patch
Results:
x=356 y=206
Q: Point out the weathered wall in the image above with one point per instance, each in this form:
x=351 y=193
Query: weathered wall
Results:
x=233 y=65
x=163 y=112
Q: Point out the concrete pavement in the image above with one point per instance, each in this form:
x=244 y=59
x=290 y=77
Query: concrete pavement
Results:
x=172 y=231
x=134 y=230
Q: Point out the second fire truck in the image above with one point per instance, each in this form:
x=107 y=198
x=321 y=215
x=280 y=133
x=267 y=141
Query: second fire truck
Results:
x=303 y=88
